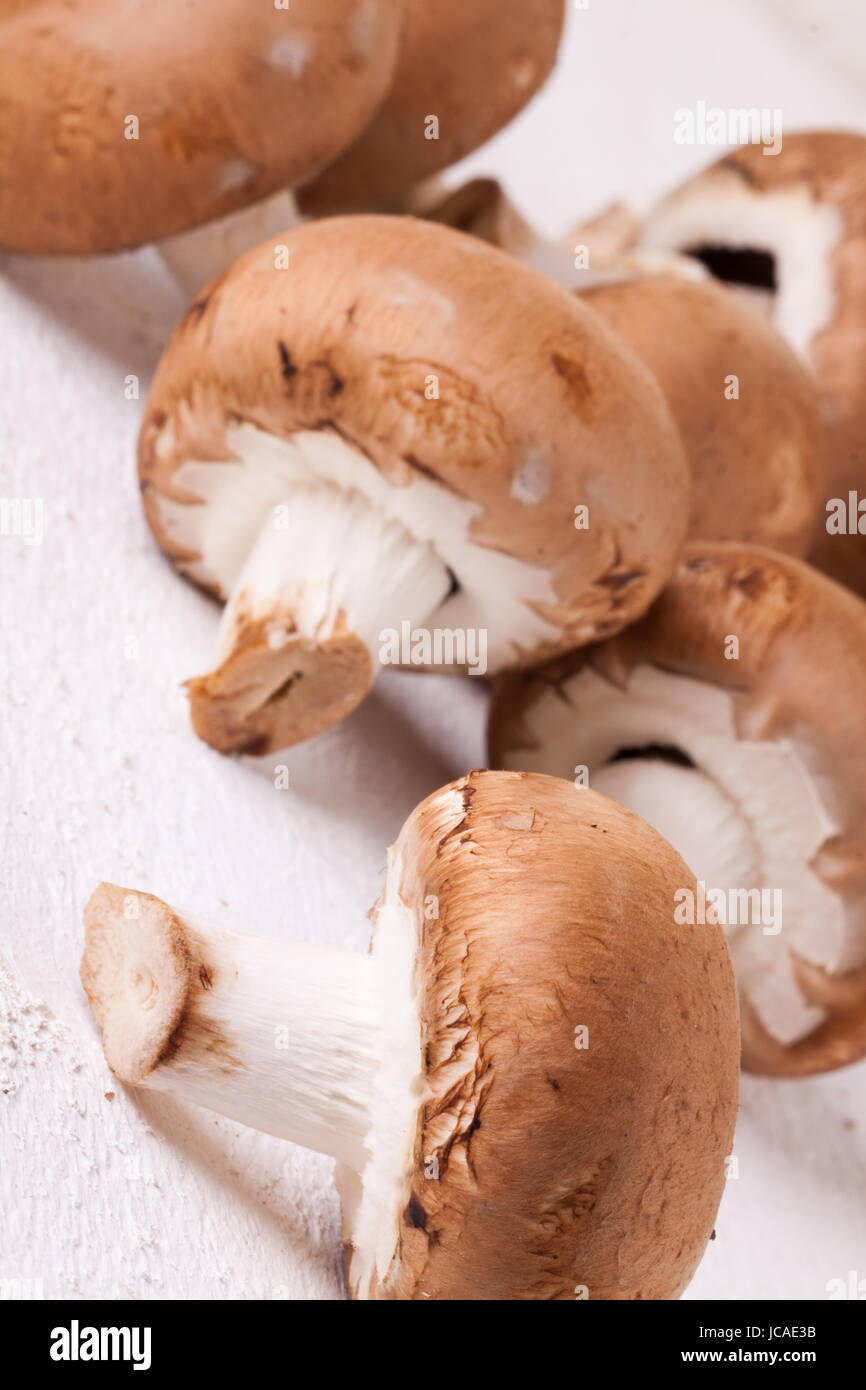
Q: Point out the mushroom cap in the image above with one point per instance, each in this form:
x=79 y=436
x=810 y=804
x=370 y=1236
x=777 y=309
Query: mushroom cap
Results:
x=538 y=410
x=798 y=682
x=828 y=163
x=233 y=101
x=557 y=1166
x=807 y=207
x=755 y=459
x=473 y=67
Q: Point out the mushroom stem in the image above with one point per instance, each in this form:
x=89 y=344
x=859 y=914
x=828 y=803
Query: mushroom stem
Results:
x=274 y=1034
x=329 y=575
x=195 y=258
x=591 y=253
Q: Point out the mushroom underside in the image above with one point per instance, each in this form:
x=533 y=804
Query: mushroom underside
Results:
x=330 y=572
x=745 y=813
x=775 y=248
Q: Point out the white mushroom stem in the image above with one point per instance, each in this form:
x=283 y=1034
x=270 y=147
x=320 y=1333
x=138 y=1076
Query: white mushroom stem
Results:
x=274 y=1034
x=327 y=583
x=195 y=258
x=302 y=1022
x=327 y=559
x=596 y=252
x=577 y=265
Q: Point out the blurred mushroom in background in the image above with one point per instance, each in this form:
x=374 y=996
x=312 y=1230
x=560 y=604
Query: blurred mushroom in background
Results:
x=192 y=125
x=788 y=232
x=732 y=719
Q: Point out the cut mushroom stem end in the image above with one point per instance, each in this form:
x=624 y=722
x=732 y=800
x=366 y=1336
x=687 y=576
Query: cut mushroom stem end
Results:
x=275 y=1034
x=301 y=633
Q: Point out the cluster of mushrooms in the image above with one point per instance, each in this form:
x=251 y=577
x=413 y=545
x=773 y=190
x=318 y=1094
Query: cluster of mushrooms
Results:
x=637 y=470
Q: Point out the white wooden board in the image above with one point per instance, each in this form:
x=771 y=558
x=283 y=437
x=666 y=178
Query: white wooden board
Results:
x=140 y=1197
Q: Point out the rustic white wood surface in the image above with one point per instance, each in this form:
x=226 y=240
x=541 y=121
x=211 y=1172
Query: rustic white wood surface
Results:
x=109 y=1193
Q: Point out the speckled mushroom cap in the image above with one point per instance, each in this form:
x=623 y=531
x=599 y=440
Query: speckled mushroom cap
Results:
x=233 y=101
x=556 y=1166
x=756 y=456
x=468 y=397
x=473 y=67
x=777 y=735
x=791 y=229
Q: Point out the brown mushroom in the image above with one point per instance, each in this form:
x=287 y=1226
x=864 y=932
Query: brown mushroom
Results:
x=120 y=129
x=464 y=71
x=746 y=409
x=529 y=1083
x=732 y=719
x=597 y=251
x=400 y=430
x=790 y=232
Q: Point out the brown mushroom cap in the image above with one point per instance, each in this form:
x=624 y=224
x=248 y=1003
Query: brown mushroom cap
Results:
x=755 y=458
x=473 y=67
x=233 y=102
x=821 y=172
x=558 y=1166
x=798 y=681
x=538 y=410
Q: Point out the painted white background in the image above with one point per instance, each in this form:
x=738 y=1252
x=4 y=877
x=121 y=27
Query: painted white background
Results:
x=101 y=777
